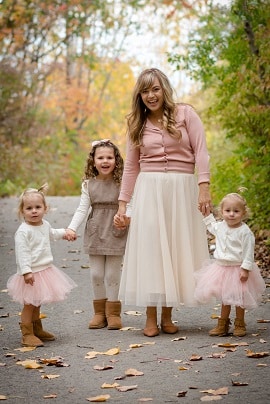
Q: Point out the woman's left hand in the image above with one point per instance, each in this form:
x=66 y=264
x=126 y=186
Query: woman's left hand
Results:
x=204 y=200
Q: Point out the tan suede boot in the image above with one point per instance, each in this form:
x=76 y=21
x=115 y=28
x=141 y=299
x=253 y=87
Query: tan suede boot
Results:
x=99 y=320
x=239 y=328
x=40 y=333
x=113 y=315
x=167 y=325
x=221 y=329
x=28 y=337
x=151 y=328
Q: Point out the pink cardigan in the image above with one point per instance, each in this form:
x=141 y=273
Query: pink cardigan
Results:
x=160 y=152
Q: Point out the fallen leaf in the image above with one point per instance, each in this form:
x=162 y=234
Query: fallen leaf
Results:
x=42 y=315
x=262 y=341
x=3 y=397
x=126 y=388
x=109 y=386
x=227 y=345
x=78 y=311
x=99 y=399
x=239 y=383
x=217 y=355
x=252 y=354
x=133 y=372
x=195 y=358
x=179 y=339
x=217 y=392
x=29 y=364
x=263 y=321
x=181 y=394
x=129 y=329
x=51 y=396
x=133 y=313
x=4 y=315
x=261 y=365
x=214 y=316
x=182 y=368
x=49 y=376
x=135 y=345
x=54 y=361
x=105 y=367
x=112 y=351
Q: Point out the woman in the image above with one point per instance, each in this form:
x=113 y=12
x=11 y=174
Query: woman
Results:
x=167 y=239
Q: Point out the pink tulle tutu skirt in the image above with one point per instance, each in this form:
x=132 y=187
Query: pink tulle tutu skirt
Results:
x=222 y=283
x=51 y=285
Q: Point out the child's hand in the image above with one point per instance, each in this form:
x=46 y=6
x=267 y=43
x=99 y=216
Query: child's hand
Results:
x=121 y=222
x=70 y=235
x=244 y=273
x=29 y=278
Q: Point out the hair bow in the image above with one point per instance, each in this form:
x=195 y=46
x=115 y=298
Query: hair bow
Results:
x=97 y=142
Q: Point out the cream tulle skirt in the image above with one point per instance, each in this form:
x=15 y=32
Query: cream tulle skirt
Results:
x=51 y=285
x=222 y=283
x=166 y=242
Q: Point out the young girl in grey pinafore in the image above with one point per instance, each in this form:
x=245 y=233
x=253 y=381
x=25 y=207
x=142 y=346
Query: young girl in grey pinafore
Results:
x=102 y=241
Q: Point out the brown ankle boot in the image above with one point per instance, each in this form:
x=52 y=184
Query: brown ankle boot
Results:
x=28 y=337
x=99 y=320
x=221 y=329
x=40 y=333
x=113 y=315
x=167 y=325
x=239 y=328
x=151 y=328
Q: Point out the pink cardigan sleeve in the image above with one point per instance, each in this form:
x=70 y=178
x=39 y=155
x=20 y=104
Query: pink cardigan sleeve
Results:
x=198 y=142
x=131 y=171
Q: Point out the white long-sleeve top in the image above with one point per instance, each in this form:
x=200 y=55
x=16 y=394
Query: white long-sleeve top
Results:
x=234 y=246
x=33 y=248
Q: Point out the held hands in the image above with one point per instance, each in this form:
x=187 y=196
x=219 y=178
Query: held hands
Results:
x=204 y=200
x=121 y=221
x=29 y=278
x=70 y=235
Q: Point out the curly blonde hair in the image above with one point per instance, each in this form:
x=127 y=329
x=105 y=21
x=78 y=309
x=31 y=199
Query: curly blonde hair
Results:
x=30 y=191
x=136 y=119
x=90 y=169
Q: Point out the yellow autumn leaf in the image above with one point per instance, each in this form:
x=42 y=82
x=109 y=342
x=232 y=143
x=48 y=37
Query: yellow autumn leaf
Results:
x=112 y=351
x=135 y=345
x=109 y=386
x=99 y=399
x=29 y=364
x=214 y=316
x=182 y=368
x=42 y=315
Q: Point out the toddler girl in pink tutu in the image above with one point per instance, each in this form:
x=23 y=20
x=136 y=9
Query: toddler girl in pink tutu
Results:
x=232 y=277
x=37 y=280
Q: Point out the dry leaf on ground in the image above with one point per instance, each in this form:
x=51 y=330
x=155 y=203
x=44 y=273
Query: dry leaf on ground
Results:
x=99 y=399
x=29 y=364
x=133 y=372
x=251 y=354
x=211 y=398
x=126 y=388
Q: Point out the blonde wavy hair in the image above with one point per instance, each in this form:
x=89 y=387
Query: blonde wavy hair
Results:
x=239 y=198
x=136 y=119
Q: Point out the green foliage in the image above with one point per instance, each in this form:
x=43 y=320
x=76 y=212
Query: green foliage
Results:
x=229 y=53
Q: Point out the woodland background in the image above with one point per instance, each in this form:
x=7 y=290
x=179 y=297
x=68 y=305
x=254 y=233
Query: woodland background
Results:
x=67 y=70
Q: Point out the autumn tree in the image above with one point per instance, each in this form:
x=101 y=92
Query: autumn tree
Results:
x=229 y=54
